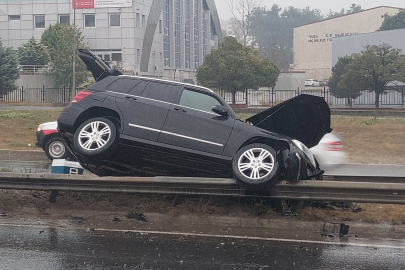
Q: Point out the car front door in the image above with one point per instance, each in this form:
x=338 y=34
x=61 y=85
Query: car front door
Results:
x=192 y=124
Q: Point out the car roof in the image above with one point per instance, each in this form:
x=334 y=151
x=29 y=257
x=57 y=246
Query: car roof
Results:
x=193 y=86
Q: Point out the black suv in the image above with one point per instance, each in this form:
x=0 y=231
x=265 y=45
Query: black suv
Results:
x=128 y=125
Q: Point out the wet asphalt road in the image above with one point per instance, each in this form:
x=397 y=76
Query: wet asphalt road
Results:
x=55 y=248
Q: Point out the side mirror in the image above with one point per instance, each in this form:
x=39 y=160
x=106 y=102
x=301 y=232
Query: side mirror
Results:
x=221 y=110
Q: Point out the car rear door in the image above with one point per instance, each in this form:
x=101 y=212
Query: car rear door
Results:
x=192 y=124
x=145 y=108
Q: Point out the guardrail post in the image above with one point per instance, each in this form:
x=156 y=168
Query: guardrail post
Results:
x=52 y=198
x=43 y=94
x=272 y=96
x=22 y=93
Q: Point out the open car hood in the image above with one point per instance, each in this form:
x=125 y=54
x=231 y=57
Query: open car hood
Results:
x=97 y=66
x=305 y=118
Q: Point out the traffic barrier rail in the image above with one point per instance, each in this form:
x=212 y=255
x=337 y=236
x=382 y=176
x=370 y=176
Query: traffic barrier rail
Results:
x=309 y=190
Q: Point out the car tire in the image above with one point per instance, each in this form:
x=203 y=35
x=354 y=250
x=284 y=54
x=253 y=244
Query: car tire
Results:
x=55 y=148
x=255 y=166
x=96 y=138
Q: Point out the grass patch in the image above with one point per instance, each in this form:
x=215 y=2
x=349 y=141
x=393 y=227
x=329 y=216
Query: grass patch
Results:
x=18 y=128
x=17 y=115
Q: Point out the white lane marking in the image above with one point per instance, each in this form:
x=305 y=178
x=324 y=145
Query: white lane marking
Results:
x=175 y=134
x=269 y=239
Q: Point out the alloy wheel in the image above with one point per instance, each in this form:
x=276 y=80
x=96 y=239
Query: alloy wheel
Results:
x=94 y=135
x=256 y=163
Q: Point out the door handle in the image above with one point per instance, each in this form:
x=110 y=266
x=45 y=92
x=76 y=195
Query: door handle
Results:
x=129 y=97
x=179 y=109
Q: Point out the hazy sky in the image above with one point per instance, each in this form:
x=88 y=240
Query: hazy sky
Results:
x=323 y=5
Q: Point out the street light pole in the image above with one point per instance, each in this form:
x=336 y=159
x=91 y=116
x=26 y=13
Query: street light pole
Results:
x=74 y=50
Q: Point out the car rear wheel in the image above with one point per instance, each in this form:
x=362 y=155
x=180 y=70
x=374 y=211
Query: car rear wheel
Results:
x=255 y=166
x=55 y=148
x=96 y=137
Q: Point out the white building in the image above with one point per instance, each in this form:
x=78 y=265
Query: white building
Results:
x=313 y=42
x=159 y=38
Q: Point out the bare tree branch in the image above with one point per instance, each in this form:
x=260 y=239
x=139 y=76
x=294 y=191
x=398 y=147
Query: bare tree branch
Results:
x=241 y=10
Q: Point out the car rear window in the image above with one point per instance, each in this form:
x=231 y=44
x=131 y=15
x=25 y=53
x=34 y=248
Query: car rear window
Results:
x=163 y=92
x=102 y=84
x=124 y=85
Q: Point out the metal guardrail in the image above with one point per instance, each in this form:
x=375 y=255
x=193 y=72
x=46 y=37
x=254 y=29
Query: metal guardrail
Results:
x=371 y=192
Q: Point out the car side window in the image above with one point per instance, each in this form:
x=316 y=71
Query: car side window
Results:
x=198 y=101
x=163 y=92
x=124 y=85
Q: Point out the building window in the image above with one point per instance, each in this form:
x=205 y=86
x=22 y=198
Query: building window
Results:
x=137 y=20
x=107 y=57
x=160 y=26
x=138 y=55
x=143 y=21
x=116 y=57
x=14 y=17
x=115 y=20
x=89 y=20
x=39 y=21
x=64 y=19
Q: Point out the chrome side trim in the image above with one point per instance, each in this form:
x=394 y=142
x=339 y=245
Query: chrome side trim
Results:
x=175 y=134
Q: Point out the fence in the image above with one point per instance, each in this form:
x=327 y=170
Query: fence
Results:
x=259 y=98
x=271 y=97
x=40 y=95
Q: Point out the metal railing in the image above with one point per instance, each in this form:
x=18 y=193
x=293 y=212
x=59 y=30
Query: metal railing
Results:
x=251 y=98
x=33 y=69
x=390 y=191
x=39 y=95
x=271 y=97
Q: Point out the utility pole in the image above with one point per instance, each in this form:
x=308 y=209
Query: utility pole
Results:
x=74 y=50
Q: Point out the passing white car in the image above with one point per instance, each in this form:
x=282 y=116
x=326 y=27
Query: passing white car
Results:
x=329 y=151
x=311 y=82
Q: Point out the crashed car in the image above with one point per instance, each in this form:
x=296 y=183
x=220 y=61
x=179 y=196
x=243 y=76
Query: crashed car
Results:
x=129 y=125
x=49 y=140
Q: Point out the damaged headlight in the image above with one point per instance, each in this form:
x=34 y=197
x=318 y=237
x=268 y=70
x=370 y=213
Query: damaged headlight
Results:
x=306 y=151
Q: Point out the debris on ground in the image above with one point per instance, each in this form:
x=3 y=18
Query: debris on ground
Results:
x=336 y=205
x=115 y=219
x=137 y=216
x=343 y=229
x=78 y=219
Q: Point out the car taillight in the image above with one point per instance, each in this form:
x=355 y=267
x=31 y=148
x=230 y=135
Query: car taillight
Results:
x=49 y=131
x=81 y=95
x=333 y=146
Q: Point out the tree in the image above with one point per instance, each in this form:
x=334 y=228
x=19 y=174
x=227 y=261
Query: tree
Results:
x=235 y=67
x=272 y=31
x=338 y=71
x=59 y=40
x=353 y=9
x=33 y=53
x=373 y=69
x=8 y=69
x=396 y=21
x=240 y=25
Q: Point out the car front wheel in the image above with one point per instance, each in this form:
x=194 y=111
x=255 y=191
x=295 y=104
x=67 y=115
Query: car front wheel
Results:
x=255 y=166
x=55 y=148
x=96 y=137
